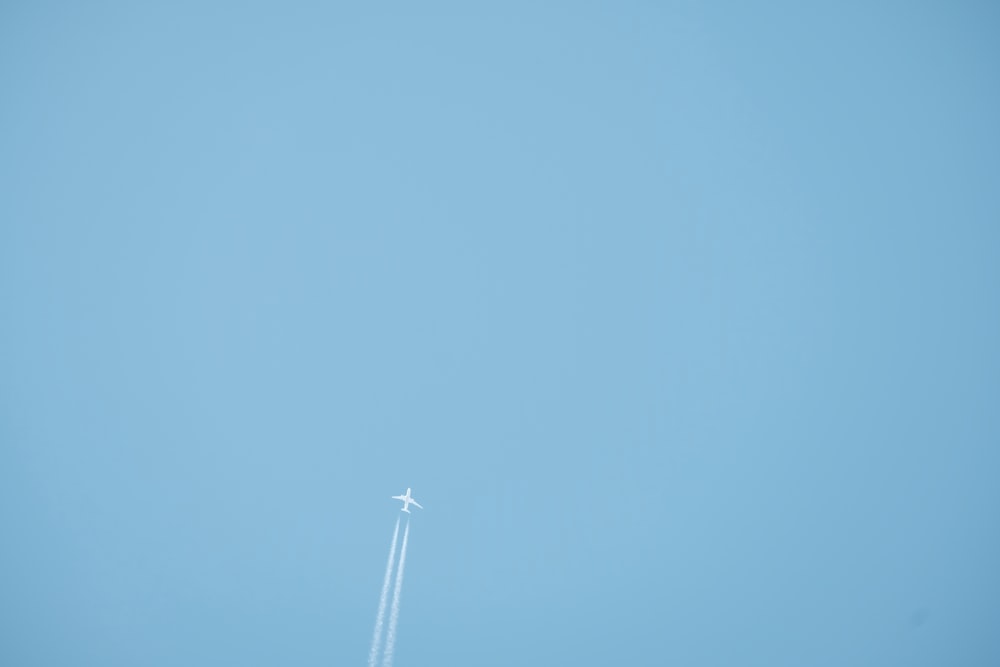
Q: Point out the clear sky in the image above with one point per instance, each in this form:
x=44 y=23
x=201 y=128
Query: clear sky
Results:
x=681 y=320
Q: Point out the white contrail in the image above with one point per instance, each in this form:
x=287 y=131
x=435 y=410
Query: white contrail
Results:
x=380 y=617
x=390 y=640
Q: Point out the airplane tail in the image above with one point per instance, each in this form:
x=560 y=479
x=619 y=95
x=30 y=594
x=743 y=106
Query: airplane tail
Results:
x=407 y=511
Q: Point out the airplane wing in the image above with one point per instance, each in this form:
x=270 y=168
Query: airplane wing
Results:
x=414 y=502
x=402 y=498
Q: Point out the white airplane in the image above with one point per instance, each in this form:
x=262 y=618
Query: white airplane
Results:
x=407 y=501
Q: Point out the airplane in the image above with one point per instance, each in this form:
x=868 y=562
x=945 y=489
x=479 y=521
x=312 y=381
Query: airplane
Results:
x=407 y=501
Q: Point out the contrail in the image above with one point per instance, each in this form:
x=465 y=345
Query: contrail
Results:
x=390 y=641
x=380 y=617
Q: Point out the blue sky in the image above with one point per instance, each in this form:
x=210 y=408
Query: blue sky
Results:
x=681 y=320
